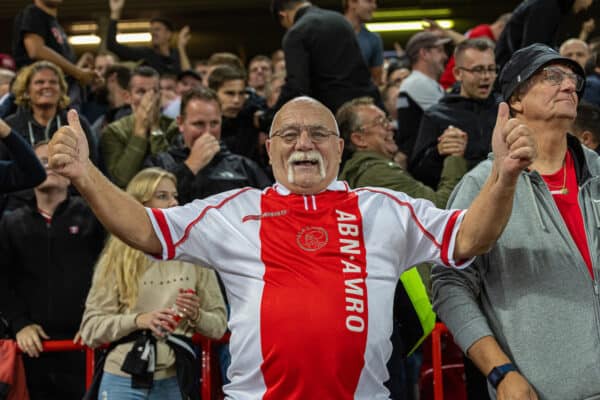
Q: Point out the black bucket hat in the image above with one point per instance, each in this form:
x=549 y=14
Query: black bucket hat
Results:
x=525 y=62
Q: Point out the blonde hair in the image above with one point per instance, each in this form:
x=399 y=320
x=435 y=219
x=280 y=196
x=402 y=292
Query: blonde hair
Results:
x=21 y=85
x=120 y=264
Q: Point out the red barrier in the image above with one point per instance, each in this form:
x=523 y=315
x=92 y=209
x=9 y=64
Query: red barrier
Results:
x=206 y=359
x=436 y=355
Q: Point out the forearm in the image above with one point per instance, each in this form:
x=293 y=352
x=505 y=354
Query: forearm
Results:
x=119 y=212
x=46 y=53
x=486 y=218
x=26 y=171
x=487 y=354
x=455 y=36
x=184 y=60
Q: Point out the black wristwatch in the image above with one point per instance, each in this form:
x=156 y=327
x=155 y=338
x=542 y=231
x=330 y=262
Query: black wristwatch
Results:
x=498 y=373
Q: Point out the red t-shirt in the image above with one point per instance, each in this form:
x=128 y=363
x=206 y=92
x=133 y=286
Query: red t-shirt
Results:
x=447 y=78
x=568 y=205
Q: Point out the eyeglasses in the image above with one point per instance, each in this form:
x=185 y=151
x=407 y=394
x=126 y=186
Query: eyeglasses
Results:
x=481 y=70
x=382 y=121
x=555 y=76
x=291 y=134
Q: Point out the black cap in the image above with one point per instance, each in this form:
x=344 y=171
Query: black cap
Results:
x=188 y=72
x=525 y=62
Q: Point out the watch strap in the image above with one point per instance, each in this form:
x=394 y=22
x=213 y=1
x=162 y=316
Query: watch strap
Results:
x=498 y=373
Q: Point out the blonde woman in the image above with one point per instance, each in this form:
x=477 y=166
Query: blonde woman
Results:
x=40 y=91
x=135 y=300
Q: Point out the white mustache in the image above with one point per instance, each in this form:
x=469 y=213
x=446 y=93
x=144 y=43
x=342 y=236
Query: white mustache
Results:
x=311 y=155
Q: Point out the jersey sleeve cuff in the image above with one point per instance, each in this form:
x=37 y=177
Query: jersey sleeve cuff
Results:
x=163 y=231
x=449 y=242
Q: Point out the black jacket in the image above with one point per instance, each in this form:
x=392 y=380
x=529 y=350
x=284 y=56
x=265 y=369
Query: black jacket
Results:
x=476 y=117
x=46 y=269
x=323 y=60
x=239 y=134
x=533 y=21
x=226 y=171
x=23 y=120
x=25 y=171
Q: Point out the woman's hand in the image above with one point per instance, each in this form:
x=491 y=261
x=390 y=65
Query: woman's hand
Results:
x=160 y=322
x=188 y=304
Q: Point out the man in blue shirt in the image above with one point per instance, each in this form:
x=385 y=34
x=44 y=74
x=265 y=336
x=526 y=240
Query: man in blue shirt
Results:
x=358 y=12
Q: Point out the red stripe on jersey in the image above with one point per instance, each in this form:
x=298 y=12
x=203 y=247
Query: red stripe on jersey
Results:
x=313 y=316
x=448 y=235
x=410 y=208
x=164 y=228
x=206 y=209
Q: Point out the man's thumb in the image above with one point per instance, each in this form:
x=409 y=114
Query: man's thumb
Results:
x=74 y=123
x=503 y=115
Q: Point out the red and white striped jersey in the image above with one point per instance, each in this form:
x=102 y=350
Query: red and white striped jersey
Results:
x=310 y=280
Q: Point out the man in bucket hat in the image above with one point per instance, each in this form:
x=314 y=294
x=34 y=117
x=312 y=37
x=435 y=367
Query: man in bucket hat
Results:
x=527 y=312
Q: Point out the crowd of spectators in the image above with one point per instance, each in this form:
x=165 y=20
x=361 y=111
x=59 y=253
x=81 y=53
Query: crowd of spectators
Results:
x=172 y=131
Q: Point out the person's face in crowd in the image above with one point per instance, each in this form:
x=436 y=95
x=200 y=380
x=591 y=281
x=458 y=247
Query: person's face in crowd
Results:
x=202 y=69
x=577 y=50
x=436 y=58
x=160 y=34
x=581 y=5
x=117 y=96
x=286 y=18
x=187 y=83
x=201 y=117
x=550 y=95
x=304 y=148
x=476 y=72
x=376 y=132
x=363 y=9
x=232 y=95
x=53 y=180
x=279 y=67
x=391 y=99
x=44 y=89
x=102 y=62
x=139 y=85
x=165 y=195
x=275 y=90
x=398 y=76
x=167 y=90
x=259 y=73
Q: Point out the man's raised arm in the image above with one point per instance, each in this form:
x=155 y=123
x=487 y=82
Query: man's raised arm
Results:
x=119 y=213
x=514 y=150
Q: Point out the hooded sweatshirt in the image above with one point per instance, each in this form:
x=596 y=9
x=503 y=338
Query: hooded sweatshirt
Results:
x=532 y=291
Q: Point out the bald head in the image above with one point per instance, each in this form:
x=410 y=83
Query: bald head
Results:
x=304 y=103
x=575 y=49
x=304 y=146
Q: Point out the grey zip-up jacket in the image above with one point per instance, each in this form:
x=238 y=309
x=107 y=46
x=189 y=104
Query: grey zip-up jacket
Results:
x=533 y=291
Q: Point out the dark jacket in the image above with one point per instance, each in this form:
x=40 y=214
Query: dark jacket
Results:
x=323 y=60
x=239 y=133
x=533 y=21
x=226 y=171
x=25 y=171
x=476 y=117
x=23 y=122
x=46 y=269
x=367 y=168
x=592 y=89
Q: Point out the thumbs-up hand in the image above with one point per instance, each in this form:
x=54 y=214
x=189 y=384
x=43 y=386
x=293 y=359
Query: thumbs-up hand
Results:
x=513 y=145
x=68 y=151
